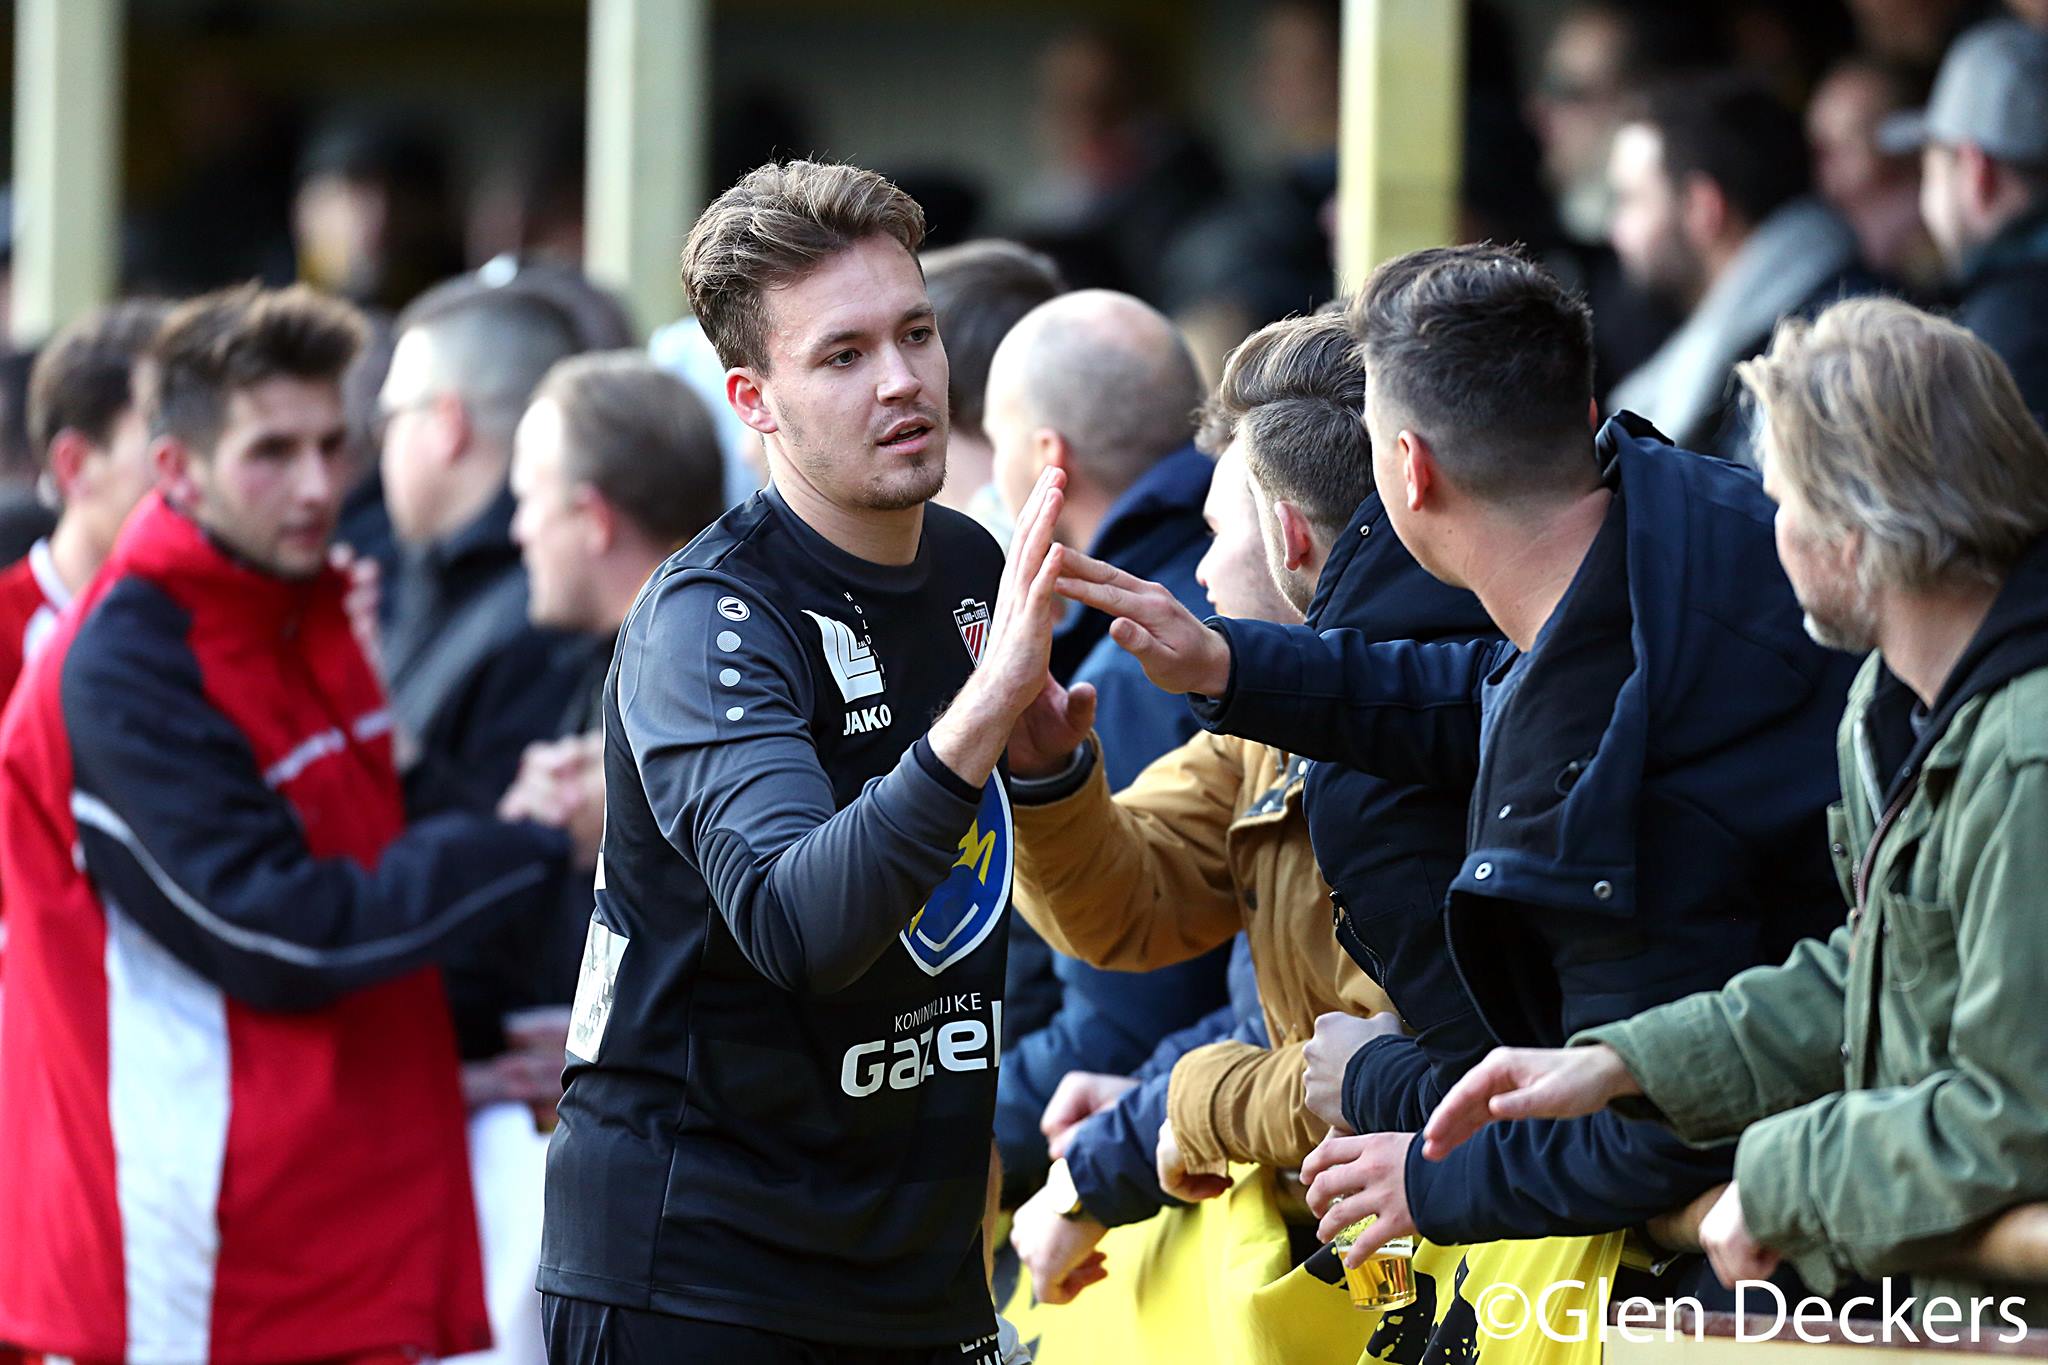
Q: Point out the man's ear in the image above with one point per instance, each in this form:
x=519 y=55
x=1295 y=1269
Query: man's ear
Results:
x=1297 y=541
x=1420 y=477
x=1978 y=176
x=1593 y=413
x=600 y=519
x=173 y=461
x=454 y=428
x=70 y=449
x=744 y=392
x=1849 y=551
x=1049 y=450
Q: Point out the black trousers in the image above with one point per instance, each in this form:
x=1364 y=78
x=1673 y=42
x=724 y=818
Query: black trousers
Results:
x=580 y=1332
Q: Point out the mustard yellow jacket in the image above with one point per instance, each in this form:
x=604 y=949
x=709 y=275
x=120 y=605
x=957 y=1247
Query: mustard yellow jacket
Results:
x=1207 y=841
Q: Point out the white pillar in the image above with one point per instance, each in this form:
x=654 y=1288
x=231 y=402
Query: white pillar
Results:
x=650 y=129
x=67 y=132
x=1399 y=146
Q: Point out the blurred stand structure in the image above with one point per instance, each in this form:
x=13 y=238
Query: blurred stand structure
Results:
x=174 y=145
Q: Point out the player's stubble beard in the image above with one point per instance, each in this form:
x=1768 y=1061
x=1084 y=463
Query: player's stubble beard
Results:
x=911 y=486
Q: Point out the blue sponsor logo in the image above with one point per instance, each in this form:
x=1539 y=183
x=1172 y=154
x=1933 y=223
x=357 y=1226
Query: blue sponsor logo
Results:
x=969 y=903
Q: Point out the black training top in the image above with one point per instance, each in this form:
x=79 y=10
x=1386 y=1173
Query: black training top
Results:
x=780 y=1090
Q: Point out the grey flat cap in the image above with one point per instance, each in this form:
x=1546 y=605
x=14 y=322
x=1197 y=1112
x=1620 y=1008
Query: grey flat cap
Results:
x=1992 y=90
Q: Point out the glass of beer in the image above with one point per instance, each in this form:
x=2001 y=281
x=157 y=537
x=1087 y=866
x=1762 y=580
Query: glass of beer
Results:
x=1386 y=1279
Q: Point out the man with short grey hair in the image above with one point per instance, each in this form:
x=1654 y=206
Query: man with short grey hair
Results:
x=1101 y=385
x=472 y=683
x=1983 y=140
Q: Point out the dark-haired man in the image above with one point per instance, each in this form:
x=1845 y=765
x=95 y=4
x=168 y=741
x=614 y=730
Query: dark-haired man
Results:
x=774 y=1141
x=1713 y=216
x=233 y=1116
x=86 y=423
x=1647 y=752
x=1912 y=491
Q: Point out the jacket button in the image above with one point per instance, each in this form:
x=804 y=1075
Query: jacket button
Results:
x=1845 y=1054
x=1603 y=890
x=1366 y=529
x=1507 y=810
x=1839 y=849
x=1482 y=872
x=1251 y=899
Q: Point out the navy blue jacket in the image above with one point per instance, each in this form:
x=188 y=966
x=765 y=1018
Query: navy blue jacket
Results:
x=1387 y=889
x=1110 y=1021
x=1114 y=1156
x=1650 y=784
x=474 y=683
x=2004 y=293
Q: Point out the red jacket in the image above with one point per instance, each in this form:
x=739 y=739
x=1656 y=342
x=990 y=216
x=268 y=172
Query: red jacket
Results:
x=233 y=1128
x=31 y=596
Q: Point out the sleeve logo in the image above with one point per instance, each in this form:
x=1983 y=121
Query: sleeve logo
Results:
x=732 y=609
x=966 y=907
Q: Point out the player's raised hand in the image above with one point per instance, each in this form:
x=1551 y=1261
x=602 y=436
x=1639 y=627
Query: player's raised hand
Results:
x=1178 y=652
x=1015 y=664
x=1527 y=1083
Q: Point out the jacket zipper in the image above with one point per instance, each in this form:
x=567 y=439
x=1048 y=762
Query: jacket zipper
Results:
x=1869 y=863
x=1866 y=770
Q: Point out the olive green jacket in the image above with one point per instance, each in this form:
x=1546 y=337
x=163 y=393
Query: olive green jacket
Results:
x=1889 y=1086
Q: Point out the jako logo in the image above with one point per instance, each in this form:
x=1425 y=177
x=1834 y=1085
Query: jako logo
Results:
x=866 y=718
x=854 y=665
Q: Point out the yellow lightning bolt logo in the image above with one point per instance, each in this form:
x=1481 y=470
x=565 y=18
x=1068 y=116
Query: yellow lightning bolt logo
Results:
x=976 y=851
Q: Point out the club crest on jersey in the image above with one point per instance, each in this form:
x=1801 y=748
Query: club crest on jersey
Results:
x=972 y=619
x=969 y=903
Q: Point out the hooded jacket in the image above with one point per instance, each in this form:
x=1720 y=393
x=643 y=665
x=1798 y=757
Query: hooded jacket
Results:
x=1647 y=784
x=1890 y=1085
x=233 y=1129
